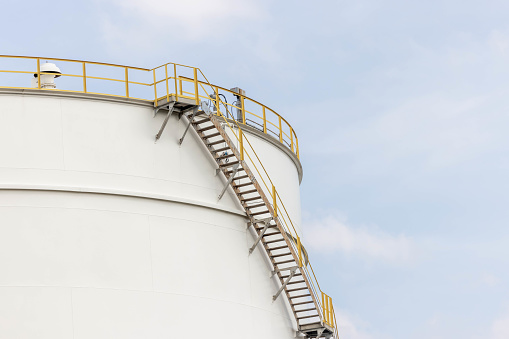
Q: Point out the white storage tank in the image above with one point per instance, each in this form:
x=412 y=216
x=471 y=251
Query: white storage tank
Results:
x=107 y=231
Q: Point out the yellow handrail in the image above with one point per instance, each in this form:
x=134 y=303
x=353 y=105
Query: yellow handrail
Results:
x=285 y=133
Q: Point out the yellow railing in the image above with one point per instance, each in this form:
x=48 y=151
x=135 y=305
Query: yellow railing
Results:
x=168 y=81
x=173 y=83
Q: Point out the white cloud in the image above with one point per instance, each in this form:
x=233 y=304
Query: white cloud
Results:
x=187 y=20
x=350 y=328
x=331 y=234
x=500 y=327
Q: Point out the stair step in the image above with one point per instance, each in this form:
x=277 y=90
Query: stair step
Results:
x=271 y=234
x=296 y=282
x=308 y=316
x=303 y=303
x=201 y=121
x=214 y=142
x=317 y=324
x=280 y=255
x=225 y=156
x=299 y=296
x=212 y=135
x=284 y=262
x=248 y=191
x=306 y=310
x=221 y=149
x=250 y=199
x=273 y=241
x=241 y=177
x=297 y=289
x=295 y=275
x=229 y=164
x=244 y=184
x=227 y=173
x=206 y=128
x=258 y=213
x=278 y=248
x=255 y=206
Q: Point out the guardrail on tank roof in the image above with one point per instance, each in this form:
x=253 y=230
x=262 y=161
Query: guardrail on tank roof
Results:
x=167 y=81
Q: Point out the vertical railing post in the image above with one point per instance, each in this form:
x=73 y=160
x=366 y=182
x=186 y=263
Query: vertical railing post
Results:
x=274 y=200
x=241 y=142
x=167 y=88
x=217 y=101
x=126 y=82
x=84 y=78
x=243 y=110
x=264 y=121
x=176 y=88
x=291 y=138
x=155 y=88
x=280 y=130
x=38 y=73
x=297 y=144
x=300 y=251
x=197 y=97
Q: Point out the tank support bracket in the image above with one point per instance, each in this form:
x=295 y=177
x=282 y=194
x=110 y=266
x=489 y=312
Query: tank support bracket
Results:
x=260 y=236
x=170 y=111
x=292 y=273
x=195 y=111
x=230 y=179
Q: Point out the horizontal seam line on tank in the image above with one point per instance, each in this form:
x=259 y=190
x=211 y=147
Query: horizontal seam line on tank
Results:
x=243 y=231
x=120 y=193
x=142 y=291
x=109 y=173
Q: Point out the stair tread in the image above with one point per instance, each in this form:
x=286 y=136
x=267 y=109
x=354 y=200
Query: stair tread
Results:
x=297 y=289
x=221 y=157
x=284 y=262
x=258 y=213
x=201 y=121
x=248 y=191
x=206 y=128
x=303 y=302
x=299 y=296
x=229 y=164
x=306 y=310
x=220 y=149
x=281 y=255
x=308 y=316
x=273 y=241
x=214 y=142
x=243 y=184
x=251 y=199
x=254 y=206
x=212 y=135
x=277 y=248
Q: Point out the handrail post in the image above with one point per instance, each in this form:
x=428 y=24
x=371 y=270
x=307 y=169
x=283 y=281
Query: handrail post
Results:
x=243 y=110
x=167 y=88
x=38 y=73
x=241 y=145
x=291 y=137
x=84 y=79
x=297 y=144
x=197 y=97
x=155 y=88
x=217 y=100
x=176 y=88
x=299 y=245
x=264 y=121
x=274 y=200
x=126 y=82
x=280 y=130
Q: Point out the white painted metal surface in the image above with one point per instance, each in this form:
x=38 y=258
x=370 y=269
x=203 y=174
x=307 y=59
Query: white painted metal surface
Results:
x=106 y=234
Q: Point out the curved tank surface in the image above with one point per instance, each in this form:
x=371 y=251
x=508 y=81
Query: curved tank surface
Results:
x=126 y=217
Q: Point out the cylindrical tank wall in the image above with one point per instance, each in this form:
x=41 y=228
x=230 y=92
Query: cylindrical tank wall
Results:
x=105 y=233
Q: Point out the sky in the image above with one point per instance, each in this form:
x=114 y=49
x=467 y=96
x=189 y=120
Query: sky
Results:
x=401 y=109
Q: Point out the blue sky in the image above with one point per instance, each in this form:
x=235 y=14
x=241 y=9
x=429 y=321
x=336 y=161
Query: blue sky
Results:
x=401 y=108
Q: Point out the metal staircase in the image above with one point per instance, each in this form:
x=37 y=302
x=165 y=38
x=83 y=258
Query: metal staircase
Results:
x=284 y=251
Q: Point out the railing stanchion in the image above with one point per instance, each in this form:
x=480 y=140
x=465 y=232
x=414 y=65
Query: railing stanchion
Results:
x=243 y=110
x=274 y=200
x=297 y=144
x=38 y=73
x=197 y=97
x=241 y=144
x=155 y=88
x=264 y=121
x=84 y=79
x=291 y=137
x=126 y=82
x=280 y=130
x=300 y=251
x=167 y=88
x=217 y=100
x=176 y=88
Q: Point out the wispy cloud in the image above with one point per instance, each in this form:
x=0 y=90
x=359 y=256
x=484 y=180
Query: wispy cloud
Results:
x=500 y=327
x=333 y=234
